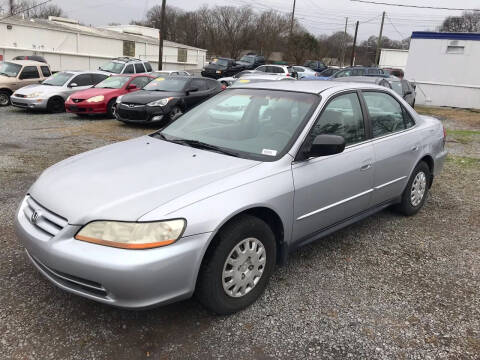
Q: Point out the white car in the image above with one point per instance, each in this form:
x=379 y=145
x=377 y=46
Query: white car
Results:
x=227 y=81
x=303 y=71
x=284 y=70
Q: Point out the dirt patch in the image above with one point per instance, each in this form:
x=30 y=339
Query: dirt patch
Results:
x=453 y=118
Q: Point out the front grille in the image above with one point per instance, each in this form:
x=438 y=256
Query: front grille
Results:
x=19 y=104
x=135 y=113
x=71 y=281
x=42 y=218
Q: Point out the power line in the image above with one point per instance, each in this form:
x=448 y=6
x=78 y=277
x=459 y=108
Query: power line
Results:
x=399 y=33
x=26 y=9
x=414 y=6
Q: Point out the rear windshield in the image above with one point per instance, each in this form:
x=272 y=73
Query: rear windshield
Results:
x=113 y=82
x=166 y=84
x=10 y=69
x=58 y=79
x=113 y=67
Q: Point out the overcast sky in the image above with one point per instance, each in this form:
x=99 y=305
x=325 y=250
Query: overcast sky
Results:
x=318 y=16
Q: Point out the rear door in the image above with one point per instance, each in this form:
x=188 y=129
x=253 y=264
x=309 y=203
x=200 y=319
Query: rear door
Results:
x=330 y=189
x=395 y=149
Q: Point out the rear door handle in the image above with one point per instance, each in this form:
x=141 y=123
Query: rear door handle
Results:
x=365 y=167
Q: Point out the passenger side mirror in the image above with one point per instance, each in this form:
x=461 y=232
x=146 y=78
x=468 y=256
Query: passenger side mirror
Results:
x=73 y=85
x=324 y=145
x=132 y=87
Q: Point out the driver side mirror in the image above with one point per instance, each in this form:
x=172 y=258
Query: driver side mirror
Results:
x=324 y=145
x=72 y=85
x=132 y=87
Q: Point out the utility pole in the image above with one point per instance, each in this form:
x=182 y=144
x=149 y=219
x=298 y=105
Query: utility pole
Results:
x=11 y=8
x=352 y=60
x=379 y=42
x=161 y=34
x=344 y=42
x=290 y=40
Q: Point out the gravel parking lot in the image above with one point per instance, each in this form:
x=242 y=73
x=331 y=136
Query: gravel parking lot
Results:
x=389 y=287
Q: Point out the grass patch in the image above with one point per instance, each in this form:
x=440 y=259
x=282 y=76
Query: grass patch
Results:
x=463 y=161
x=468 y=117
x=463 y=136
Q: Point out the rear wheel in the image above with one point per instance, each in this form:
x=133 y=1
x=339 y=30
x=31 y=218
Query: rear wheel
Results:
x=415 y=193
x=56 y=105
x=4 y=98
x=111 y=108
x=236 y=270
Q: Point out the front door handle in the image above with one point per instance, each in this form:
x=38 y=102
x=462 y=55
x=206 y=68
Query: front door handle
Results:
x=415 y=148
x=365 y=167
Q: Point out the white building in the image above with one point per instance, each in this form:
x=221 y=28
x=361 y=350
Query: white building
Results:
x=445 y=68
x=393 y=58
x=67 y=45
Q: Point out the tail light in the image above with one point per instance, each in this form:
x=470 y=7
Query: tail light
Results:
x=317 y=74
x=224 y=86
x=288 y=74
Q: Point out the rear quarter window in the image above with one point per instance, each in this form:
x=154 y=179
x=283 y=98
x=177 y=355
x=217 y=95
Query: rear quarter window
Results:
x=45 y=71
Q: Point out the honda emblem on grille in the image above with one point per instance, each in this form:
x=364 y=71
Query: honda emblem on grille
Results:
x=34 y=218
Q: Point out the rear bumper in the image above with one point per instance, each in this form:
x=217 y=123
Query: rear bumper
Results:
x=125 y=278
x=439 y=161
x=28 y=103
x=86 y=108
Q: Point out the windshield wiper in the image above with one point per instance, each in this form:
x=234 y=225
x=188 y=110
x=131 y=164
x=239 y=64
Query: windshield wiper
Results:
x=202 y=145
x=3 y=73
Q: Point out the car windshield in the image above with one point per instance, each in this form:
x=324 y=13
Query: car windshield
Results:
x=397 y=87
x=113 y=82
x=248 y=58
x=252 y=123
x=10 y=69
x=113 y=67
x=58 y=79
x=166 y=84
x=221 y=62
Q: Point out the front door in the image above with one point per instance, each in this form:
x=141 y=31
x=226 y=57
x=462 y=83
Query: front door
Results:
x=333 y=188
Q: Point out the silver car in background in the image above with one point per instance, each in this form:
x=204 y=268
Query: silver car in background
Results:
x=52 y=93
x=212 y=202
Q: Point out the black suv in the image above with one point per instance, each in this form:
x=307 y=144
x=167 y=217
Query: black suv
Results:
x=164 y=99
x=251 y=61
x=221 y=67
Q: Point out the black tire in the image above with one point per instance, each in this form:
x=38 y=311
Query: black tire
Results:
x=209 y=290
x=56 y=105
x=4 y=98
x=406 y=207
x=111 y=108
x=175 y=113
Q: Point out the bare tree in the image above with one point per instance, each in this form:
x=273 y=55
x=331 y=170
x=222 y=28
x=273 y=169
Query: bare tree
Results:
x=29 y=10
x=469 y=21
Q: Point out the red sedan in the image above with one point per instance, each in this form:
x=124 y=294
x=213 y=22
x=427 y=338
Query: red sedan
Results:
x=101 y=99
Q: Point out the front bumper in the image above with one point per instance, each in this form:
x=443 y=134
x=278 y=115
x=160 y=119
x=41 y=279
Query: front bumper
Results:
x=86 y=108
x=140 y=114
x=28 y=103
x=125 y=278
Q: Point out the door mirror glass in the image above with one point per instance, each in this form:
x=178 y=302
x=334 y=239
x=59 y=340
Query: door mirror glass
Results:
x=73 y=85
x=132 y=87
x=324 y=145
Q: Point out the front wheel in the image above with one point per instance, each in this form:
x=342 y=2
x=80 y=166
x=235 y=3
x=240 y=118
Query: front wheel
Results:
x=4 y=98
x=56 y=105
x=415 y=193
x=237 y=268
x=175 y=113
x=111 y=108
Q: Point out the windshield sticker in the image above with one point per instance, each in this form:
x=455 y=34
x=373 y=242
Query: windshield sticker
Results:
x=269 y=152
x=244 y=81
x=159 y=79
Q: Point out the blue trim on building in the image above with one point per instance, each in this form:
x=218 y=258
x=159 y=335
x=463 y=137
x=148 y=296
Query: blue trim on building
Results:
x=445 y=35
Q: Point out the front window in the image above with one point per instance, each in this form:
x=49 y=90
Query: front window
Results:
x=258 y=124
x=113 y=82
x=167 y=84
x=221 y=62
x=58 y=79
x=249 y=59
x=10 y=69
x=397 y=87
x=113 y=67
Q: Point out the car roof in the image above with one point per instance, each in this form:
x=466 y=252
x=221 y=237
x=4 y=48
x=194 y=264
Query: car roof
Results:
x=77 y=72
x=308 y=86
x=26 y=62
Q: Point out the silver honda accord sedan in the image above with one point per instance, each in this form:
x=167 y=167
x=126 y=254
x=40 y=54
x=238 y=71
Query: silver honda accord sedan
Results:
x=210 y=204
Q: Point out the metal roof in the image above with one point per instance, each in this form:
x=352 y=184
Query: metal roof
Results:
x=89 y=30
x=445 y=35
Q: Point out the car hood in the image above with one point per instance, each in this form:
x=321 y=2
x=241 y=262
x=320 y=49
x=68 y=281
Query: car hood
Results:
x=215 y=67
x=85 y=94
x=145 y=96
x=44 y=89
x=126 y=180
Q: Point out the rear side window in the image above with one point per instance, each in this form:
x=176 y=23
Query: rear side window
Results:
x=45 y=71
x=262 y=68
x=140 y=81
x=373 y=72
x=129 y=69
x=343 y=117
x=29 y=72
x=298 y=69
x=358 y=72
x=148 y=66
x=409 y=122
x=139 y=68
x=386 y=113
x=82 y=80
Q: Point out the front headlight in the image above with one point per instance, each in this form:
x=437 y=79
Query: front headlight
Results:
x=119 y=99
x=34 y=95
x=218 y=71
x=96 y=99
x=161 y=102
x=132 y=235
